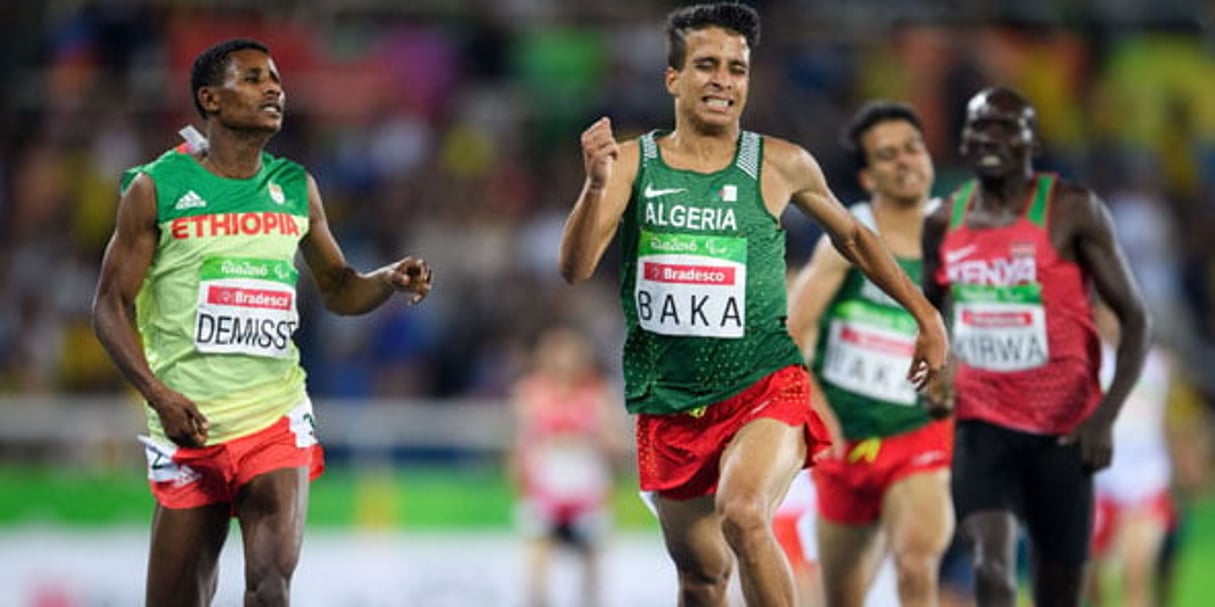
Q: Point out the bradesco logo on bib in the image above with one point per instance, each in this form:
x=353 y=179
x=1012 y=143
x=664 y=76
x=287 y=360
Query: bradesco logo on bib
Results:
x=692 y=285
x=246 y=306
x=869 y=352
x=1000 y=328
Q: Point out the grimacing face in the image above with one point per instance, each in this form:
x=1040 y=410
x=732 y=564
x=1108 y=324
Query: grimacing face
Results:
x=898 y=166
x=998 y=137
x=711 y=88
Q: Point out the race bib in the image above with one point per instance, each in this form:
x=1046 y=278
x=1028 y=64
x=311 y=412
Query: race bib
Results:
x=303 y=424
x=162 y=468
x=870 y=361
x=246 y=306
x=691 y=285
x=1000 y=328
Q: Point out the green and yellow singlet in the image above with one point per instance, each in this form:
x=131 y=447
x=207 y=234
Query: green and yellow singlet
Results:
x=217 y=308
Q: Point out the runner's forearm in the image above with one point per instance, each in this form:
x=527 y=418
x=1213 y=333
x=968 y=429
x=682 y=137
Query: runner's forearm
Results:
x=1132 y=351
x=868 y=254
x=356 y=293
x=579 y=254
x=115 y=328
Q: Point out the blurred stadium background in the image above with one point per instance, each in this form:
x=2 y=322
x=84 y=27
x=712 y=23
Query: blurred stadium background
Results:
x=448 y=128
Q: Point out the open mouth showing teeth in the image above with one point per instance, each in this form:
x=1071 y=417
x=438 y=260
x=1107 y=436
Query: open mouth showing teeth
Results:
x=718 y=104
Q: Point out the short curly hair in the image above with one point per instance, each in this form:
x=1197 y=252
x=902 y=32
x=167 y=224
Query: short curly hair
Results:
x=210 y=64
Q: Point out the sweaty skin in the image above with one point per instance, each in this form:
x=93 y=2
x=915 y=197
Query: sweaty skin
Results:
x=241 y=114
x=709 y=91
x=916 y=514
x=999 y=141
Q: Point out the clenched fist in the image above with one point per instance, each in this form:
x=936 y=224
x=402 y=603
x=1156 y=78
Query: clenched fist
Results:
x=599 y=152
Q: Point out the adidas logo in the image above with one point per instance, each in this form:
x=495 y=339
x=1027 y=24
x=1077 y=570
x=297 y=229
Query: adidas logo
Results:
x=190 y=200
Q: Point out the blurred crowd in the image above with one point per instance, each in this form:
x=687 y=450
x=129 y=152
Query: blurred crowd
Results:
x=450 y=130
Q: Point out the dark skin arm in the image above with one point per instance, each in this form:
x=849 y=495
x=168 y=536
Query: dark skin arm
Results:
x=1083 y=230
x=123 y=268
x=345 y=290
x=130 y=254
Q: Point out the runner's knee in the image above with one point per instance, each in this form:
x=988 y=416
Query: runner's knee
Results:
x=701 y=594
x=917 y=569
x=703 y=575
x=995 y=573
x=701 y=588
x=918 y=551
x=742 y=520
x=268 y=576
x=267 y=586
x=700 y=561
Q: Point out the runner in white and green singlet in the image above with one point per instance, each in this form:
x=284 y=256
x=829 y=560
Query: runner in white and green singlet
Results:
x=864 y=343
x=893 y=478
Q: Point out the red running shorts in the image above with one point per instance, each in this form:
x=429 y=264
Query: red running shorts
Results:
x=182 y=477
x=679 y=454
x=850 y=490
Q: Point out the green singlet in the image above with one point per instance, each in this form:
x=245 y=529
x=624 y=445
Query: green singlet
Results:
x=865 y=346
x=703 y=283
x=217 y=308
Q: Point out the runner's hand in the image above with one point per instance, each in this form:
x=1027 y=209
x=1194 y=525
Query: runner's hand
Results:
x=599 y=152
x=410 y=275
x=931 y=353
x=938 y=393
x=180 y=418
x=1096 y=439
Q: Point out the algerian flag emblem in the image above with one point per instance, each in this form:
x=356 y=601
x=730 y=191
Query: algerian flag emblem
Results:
x=728 y=193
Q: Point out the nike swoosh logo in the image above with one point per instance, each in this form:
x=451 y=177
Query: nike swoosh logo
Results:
x=959 y=254
x=650 y=192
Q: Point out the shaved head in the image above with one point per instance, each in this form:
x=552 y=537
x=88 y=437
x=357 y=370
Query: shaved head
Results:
x=1001 y=100
x=1000 y=135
